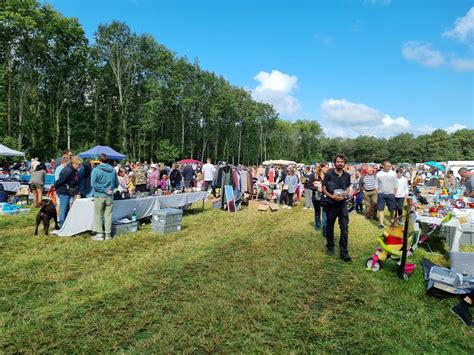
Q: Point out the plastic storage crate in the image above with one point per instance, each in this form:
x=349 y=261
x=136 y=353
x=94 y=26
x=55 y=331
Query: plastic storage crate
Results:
x=124 y=228
x=166 y=216
x=166 y=229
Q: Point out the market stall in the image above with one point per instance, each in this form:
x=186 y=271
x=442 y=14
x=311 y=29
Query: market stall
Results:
x=454 y=212
x=81 y=216
x=7 y=152
x=93 y=153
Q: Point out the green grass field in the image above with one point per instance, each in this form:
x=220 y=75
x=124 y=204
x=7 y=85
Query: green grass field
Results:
x=244 y=282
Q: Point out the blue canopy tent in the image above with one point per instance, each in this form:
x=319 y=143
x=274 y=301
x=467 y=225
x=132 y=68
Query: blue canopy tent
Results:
x=101 y=149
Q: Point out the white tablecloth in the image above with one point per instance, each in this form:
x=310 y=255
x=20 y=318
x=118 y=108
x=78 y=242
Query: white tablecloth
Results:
x=180 y=200
x=81 y=215
x=12 y=186
x=467 y=214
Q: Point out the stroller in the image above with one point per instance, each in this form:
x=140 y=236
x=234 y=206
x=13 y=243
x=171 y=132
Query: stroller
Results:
x=391 y=247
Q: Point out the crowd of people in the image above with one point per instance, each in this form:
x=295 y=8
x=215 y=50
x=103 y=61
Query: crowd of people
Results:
x=76 y=178
x=332 y=190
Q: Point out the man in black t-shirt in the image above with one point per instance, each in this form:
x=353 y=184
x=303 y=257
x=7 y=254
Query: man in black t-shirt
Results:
x=336 y=186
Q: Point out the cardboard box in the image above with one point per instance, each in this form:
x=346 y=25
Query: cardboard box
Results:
x=273 y=207
x=263 y=207
x=253 y=205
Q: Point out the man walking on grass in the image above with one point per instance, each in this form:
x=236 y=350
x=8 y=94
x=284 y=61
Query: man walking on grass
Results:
x=208 y=171
x=103 y=181
x=386 y=184
x=336 y=186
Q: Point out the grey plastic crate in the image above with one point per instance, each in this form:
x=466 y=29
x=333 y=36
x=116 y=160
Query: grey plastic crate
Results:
x=449 y=232
x=170 y=228
x=166 y=216
x=462 y=262
x=124 y=228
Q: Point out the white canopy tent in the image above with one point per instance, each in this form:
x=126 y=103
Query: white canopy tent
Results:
x=7 y=152
x=279 y=162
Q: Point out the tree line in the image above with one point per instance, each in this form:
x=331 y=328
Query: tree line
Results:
x=128 y=91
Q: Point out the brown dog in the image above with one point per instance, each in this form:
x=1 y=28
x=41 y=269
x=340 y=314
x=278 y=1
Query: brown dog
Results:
x=45 y=214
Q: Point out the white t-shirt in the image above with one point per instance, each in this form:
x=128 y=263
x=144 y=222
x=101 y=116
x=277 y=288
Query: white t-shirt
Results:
x=386 y=182
x=402 y=189
x=208 y=171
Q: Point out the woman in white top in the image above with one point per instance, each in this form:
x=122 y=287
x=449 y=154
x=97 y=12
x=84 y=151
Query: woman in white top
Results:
x=402 y=192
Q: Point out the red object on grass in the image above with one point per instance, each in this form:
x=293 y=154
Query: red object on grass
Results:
x=392 y=240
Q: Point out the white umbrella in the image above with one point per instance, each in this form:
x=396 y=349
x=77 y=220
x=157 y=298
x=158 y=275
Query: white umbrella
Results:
x=7 y=152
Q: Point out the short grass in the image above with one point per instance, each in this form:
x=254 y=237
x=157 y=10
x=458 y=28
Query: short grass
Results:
x=244 y=282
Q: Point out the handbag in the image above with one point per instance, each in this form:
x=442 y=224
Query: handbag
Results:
x=317 y=195
x=326 y=201
x=72 y=190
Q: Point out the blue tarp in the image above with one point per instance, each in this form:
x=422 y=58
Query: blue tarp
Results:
x=94 y=153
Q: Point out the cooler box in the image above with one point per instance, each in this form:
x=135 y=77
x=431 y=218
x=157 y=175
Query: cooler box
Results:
x=167 y=216
x=124 y=228
x=166 y=220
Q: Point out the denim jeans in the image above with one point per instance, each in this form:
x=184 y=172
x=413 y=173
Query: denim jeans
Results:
x=63 y=207
x=319 y=215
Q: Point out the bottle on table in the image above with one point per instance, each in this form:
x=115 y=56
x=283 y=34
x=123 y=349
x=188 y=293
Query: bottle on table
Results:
x=134 y=215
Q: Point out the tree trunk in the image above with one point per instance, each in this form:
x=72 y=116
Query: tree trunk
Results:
x=68 y=129
x=182 y=132
x=96 y=120
x=20 y=120
x=224 y=150
x=9 y=105
x=240 y=142
x=203 y=149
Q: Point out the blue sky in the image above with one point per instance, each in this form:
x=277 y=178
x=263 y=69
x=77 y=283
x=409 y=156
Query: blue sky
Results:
x=376 y=67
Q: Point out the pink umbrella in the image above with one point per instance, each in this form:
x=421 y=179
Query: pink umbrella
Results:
x=189 y=161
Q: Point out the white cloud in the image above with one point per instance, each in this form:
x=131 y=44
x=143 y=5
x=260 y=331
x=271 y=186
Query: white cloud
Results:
x=455 y=127
x=343 y=118
x=463 y=27
x=276 y=88
x=460 y=64
x=422 y=53
x=347 y=112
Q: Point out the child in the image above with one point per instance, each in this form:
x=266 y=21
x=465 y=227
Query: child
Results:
x=163 y=184
x=199 y=182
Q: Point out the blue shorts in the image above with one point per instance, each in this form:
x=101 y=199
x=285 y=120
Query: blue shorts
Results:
x=386 y=199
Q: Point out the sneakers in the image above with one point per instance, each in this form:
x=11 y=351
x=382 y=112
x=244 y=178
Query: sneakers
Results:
x=380 y=226
x=305 y=208
x=330 y=252
x=461 y=310
x=108 y=237
x=98 y=237
x=289 y=207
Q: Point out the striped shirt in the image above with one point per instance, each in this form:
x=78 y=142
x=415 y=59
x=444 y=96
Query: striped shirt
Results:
x=369 y=182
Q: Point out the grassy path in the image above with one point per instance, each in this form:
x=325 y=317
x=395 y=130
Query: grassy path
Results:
x=245 y=282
